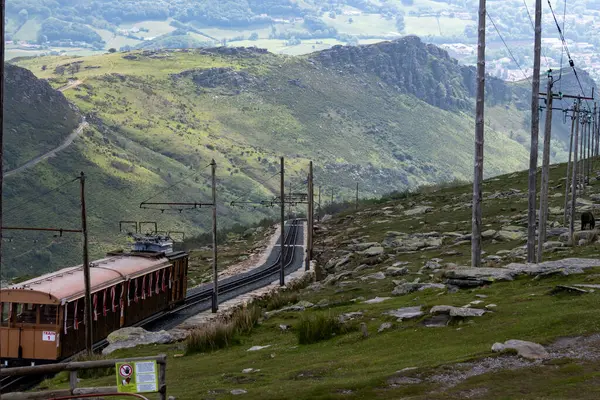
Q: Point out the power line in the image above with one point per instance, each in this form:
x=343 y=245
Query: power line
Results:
x=562 y=50
x=38 y=196
x=571 y=63
x=533 y=27
x=507 y=48
x=175 y=184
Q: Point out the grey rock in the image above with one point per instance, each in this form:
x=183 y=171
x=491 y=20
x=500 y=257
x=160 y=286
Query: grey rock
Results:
x=437 y=321
x=552 y=245
x=418 y=210
x=488 y=234
x=405 y=313
x=508 y=236
x=487 y=274
x=457 y=311
x=384 y=326
x=238 y=391
x=528 y=350
x=377 y=275
x=363 y=246
x=376 y=300
x=568 y=265
x=129 y=337
x=568 y=289
x=350 y=316
x=395 y=271
x=406 y=288
x=373 y=251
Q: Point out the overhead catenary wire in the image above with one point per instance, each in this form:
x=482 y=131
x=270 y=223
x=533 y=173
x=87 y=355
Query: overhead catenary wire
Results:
x=507 y=48
x=175 y=184
x=39 y=196
x=571 y=63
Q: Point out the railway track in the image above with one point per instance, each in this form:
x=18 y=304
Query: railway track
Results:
x=198 y=299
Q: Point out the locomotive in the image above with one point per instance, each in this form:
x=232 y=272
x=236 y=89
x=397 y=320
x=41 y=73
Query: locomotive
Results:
x=42 y=319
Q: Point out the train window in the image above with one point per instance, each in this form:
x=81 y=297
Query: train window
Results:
x=27 y=313
x=48 y=314
x=4 y=311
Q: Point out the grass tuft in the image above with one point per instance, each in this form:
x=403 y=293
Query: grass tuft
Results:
x=319 y=327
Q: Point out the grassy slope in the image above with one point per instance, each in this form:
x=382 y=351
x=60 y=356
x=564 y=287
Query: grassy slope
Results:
x=155 y=130
x=350 y=367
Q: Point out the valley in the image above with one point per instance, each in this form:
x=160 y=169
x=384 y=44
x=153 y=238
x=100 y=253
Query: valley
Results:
x=157 y=118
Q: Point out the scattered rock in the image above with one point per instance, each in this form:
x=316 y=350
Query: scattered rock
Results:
x=384 y=326
x=490 y=233
x=405 y=313
x=406 y=288
x=418 y=210
x=377 y=275
x=484 y=274
x=457 y=311
x=350 y=316
x=395 y=271
x=568 y=289
x=238 y=391
x=508 y=236
x=528 y=350
x=376 y=300
x=373 y=251
x=256 y=348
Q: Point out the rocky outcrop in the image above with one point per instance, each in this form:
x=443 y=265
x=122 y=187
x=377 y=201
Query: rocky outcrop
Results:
x=410 y=66
x=134 y=336
x=217 y=77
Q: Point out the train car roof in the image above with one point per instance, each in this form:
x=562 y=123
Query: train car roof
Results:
x=67 y=284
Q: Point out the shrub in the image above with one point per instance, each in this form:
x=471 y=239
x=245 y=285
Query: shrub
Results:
x=319 y=327
x=245 y=319
x=280 y=299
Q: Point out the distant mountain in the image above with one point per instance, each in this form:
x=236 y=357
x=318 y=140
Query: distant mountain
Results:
x=389 y=116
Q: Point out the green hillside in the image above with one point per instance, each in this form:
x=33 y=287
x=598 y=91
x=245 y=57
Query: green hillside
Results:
x=157 y=118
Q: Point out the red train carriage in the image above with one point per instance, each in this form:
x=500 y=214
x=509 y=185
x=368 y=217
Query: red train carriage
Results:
x=42 y=318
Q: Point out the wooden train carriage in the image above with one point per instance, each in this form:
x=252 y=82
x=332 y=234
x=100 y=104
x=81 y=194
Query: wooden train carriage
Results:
x=43 y=318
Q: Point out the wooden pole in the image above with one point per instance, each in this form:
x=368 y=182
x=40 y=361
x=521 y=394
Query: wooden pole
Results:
x=479 y=138
x=589 y=147
x=319 y=205
x=535 y=125
x=86 y=272
x=545 y=171
x=583 y=159
x=215 y=300
x=569 y=166
x=311 y=218
x=356 y=195
x=282 y=195
x=2 y=29
x=574 y=176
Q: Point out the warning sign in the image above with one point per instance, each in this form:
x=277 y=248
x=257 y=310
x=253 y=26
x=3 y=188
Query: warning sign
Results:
x=138 y=377
x=49 y=336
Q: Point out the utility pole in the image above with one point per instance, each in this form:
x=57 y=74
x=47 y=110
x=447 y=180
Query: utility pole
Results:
x=356 y=195
x=290 y=210
x=545 y=170
x=311 y=219
x=479 y=137
x=582 y=153
x=567 y=180
x=2 y=29
x=215 y=302
x=282 y=195
x=574 y=178
x=86 y=272
x=319 y=205
x=535 y=122
x=331 y=196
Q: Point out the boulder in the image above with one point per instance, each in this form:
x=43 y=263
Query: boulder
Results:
x=567 y=265
x=552 y=245
x=488 y=234
x=384 y=326
x=457 y=311
x=376 y=275
x=418 y=210
x=373 y=251
x=437 y=321
x=528 y=350
x=376 y=300
x=406 y=288
x=588 y=236
x=396 y=271
x=405 y=313
x=508 y=236
x=128 y=337
x=485 y=274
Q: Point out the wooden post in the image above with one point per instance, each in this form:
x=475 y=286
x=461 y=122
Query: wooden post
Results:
x=356 y=195
x=86 y=272
x=535 y=122
x=73 y=381
x=162 y=380
x=479 y=138
x=545 y=170
x=569 y=166
x=282 y=195
x=2 y=30
x=574 y=176
x=582 y=154
x=319 y=206
x=215 y=299
x=311 y=218
x=331 y=196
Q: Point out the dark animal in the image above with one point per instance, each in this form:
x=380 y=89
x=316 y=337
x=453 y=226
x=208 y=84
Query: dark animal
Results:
x=587 y=219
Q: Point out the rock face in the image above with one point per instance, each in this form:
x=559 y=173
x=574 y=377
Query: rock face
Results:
x=529 y=350
x=214 y=77
x=134 y=336
x=403 y=65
